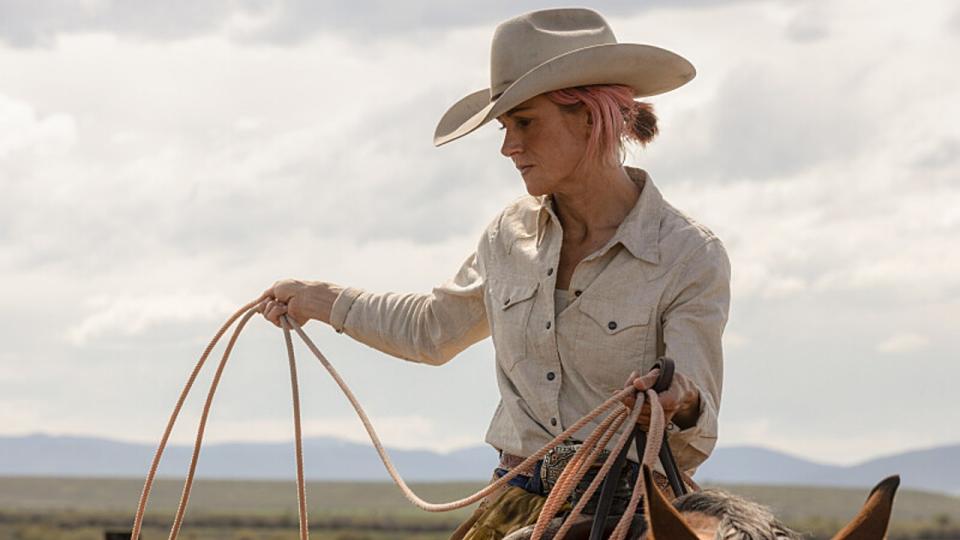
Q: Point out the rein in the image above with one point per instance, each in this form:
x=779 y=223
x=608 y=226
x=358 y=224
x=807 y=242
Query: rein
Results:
x=580 y=464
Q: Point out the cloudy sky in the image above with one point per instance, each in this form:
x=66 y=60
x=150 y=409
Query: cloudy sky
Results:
x=163 y=163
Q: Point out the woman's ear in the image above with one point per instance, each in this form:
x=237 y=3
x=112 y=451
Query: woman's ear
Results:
x=586 y=124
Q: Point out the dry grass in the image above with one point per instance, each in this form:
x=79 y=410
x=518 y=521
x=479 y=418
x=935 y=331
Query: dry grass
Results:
x=81 y=509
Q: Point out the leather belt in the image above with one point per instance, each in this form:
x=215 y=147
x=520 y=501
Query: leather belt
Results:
x=510 y=461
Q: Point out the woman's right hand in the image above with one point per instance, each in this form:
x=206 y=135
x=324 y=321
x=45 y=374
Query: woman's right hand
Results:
x=680 y=402
x=299 y=300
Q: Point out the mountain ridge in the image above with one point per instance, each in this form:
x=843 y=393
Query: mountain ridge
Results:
x=330 y=458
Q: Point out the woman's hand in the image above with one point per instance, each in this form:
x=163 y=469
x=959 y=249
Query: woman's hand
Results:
x=299 y=300
x=680 y=402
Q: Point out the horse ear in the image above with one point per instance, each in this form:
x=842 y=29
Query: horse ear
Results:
x=663 y=521
x=871 y=523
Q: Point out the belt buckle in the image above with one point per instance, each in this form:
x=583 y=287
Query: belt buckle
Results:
x=558 y=458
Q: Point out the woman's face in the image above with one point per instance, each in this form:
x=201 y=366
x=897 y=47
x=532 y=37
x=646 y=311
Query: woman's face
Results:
x=545 y=143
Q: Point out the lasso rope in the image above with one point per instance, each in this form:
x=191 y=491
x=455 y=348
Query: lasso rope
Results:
x=581 y=462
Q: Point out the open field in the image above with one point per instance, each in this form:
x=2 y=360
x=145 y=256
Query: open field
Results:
x=81 y=509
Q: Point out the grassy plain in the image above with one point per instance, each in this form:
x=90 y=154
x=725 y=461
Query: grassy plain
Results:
x=33 y=508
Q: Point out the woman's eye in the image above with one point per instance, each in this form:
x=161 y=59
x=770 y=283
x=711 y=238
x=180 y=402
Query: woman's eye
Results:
x=520 y=122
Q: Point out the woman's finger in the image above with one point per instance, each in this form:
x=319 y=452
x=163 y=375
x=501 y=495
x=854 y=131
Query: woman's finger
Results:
x=277 y=310
x=646 y=381
x=266 y=294
x=274 y=311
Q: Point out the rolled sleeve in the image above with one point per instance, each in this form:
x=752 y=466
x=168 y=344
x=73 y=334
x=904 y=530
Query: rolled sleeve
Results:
x=693 y=445
x=693 y=326
x=341 y=306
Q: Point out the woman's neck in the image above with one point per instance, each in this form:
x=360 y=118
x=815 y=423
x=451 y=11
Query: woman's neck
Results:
x=595 y=203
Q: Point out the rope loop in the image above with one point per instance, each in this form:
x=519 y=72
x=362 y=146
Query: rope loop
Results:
x=618 y=415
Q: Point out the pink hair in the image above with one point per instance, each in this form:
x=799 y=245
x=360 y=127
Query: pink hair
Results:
x=616 y=117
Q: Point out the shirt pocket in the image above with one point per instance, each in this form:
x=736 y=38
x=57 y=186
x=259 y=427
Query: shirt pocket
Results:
x=513 y=302
x=611 y=341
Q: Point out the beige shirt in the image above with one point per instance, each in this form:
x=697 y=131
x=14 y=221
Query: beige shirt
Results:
x=561 y=299
x=660 y=286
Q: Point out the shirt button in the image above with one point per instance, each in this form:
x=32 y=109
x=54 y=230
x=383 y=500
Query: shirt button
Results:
x=612 y=325
x=553 y=421
x=577 y=292
x=548 y=325
x=549 y=271
x=506 y=302
x=551 y=375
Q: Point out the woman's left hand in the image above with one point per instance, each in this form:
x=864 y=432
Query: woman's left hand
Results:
x=680 y=402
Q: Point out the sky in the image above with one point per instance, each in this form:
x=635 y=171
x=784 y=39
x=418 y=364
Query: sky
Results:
x=161 y=164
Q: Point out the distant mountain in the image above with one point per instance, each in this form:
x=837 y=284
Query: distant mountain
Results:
x=934 y=469
x=756 y=465
x=326 y=458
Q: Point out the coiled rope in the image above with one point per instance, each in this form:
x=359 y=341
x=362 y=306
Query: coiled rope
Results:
x=582 y=461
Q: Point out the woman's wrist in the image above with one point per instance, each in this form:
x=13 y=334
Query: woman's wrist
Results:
x=686 y=417
x=320 y=300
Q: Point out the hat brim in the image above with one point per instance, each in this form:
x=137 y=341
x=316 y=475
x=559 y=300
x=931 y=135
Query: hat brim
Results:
x=647 y=69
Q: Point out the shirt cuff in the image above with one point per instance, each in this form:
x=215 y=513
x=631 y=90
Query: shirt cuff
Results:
x=693 y=445
x=341 y=307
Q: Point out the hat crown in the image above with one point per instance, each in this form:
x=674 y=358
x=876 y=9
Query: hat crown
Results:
x=524 y=42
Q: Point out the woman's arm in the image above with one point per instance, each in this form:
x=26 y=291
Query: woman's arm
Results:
x=693 y=323
x=422 y=327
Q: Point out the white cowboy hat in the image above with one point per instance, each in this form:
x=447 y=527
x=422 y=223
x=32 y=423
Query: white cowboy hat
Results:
x=554 y=49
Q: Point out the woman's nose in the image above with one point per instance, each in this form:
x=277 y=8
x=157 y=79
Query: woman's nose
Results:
x=511 y=143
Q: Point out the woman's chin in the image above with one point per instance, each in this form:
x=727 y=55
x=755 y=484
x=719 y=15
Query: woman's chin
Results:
x=535 y=192
x=534 y=188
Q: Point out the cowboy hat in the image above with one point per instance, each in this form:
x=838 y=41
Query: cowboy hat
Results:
x=554 y=49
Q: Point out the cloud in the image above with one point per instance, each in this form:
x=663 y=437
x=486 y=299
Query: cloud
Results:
x=903 y=343
x=753 y=278
x=953 y=23
x=842 y=450
x=734 y=340
x=129 y=316
x=945 y=153
x=21 y=130
x=281 y=22
x=766 y=123
x=38 y=24
x=809 y=25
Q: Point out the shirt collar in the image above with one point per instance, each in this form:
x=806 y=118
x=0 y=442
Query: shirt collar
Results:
x=640 y=230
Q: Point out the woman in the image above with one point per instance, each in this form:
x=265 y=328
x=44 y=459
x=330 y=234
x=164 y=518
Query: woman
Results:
x=581 y=284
